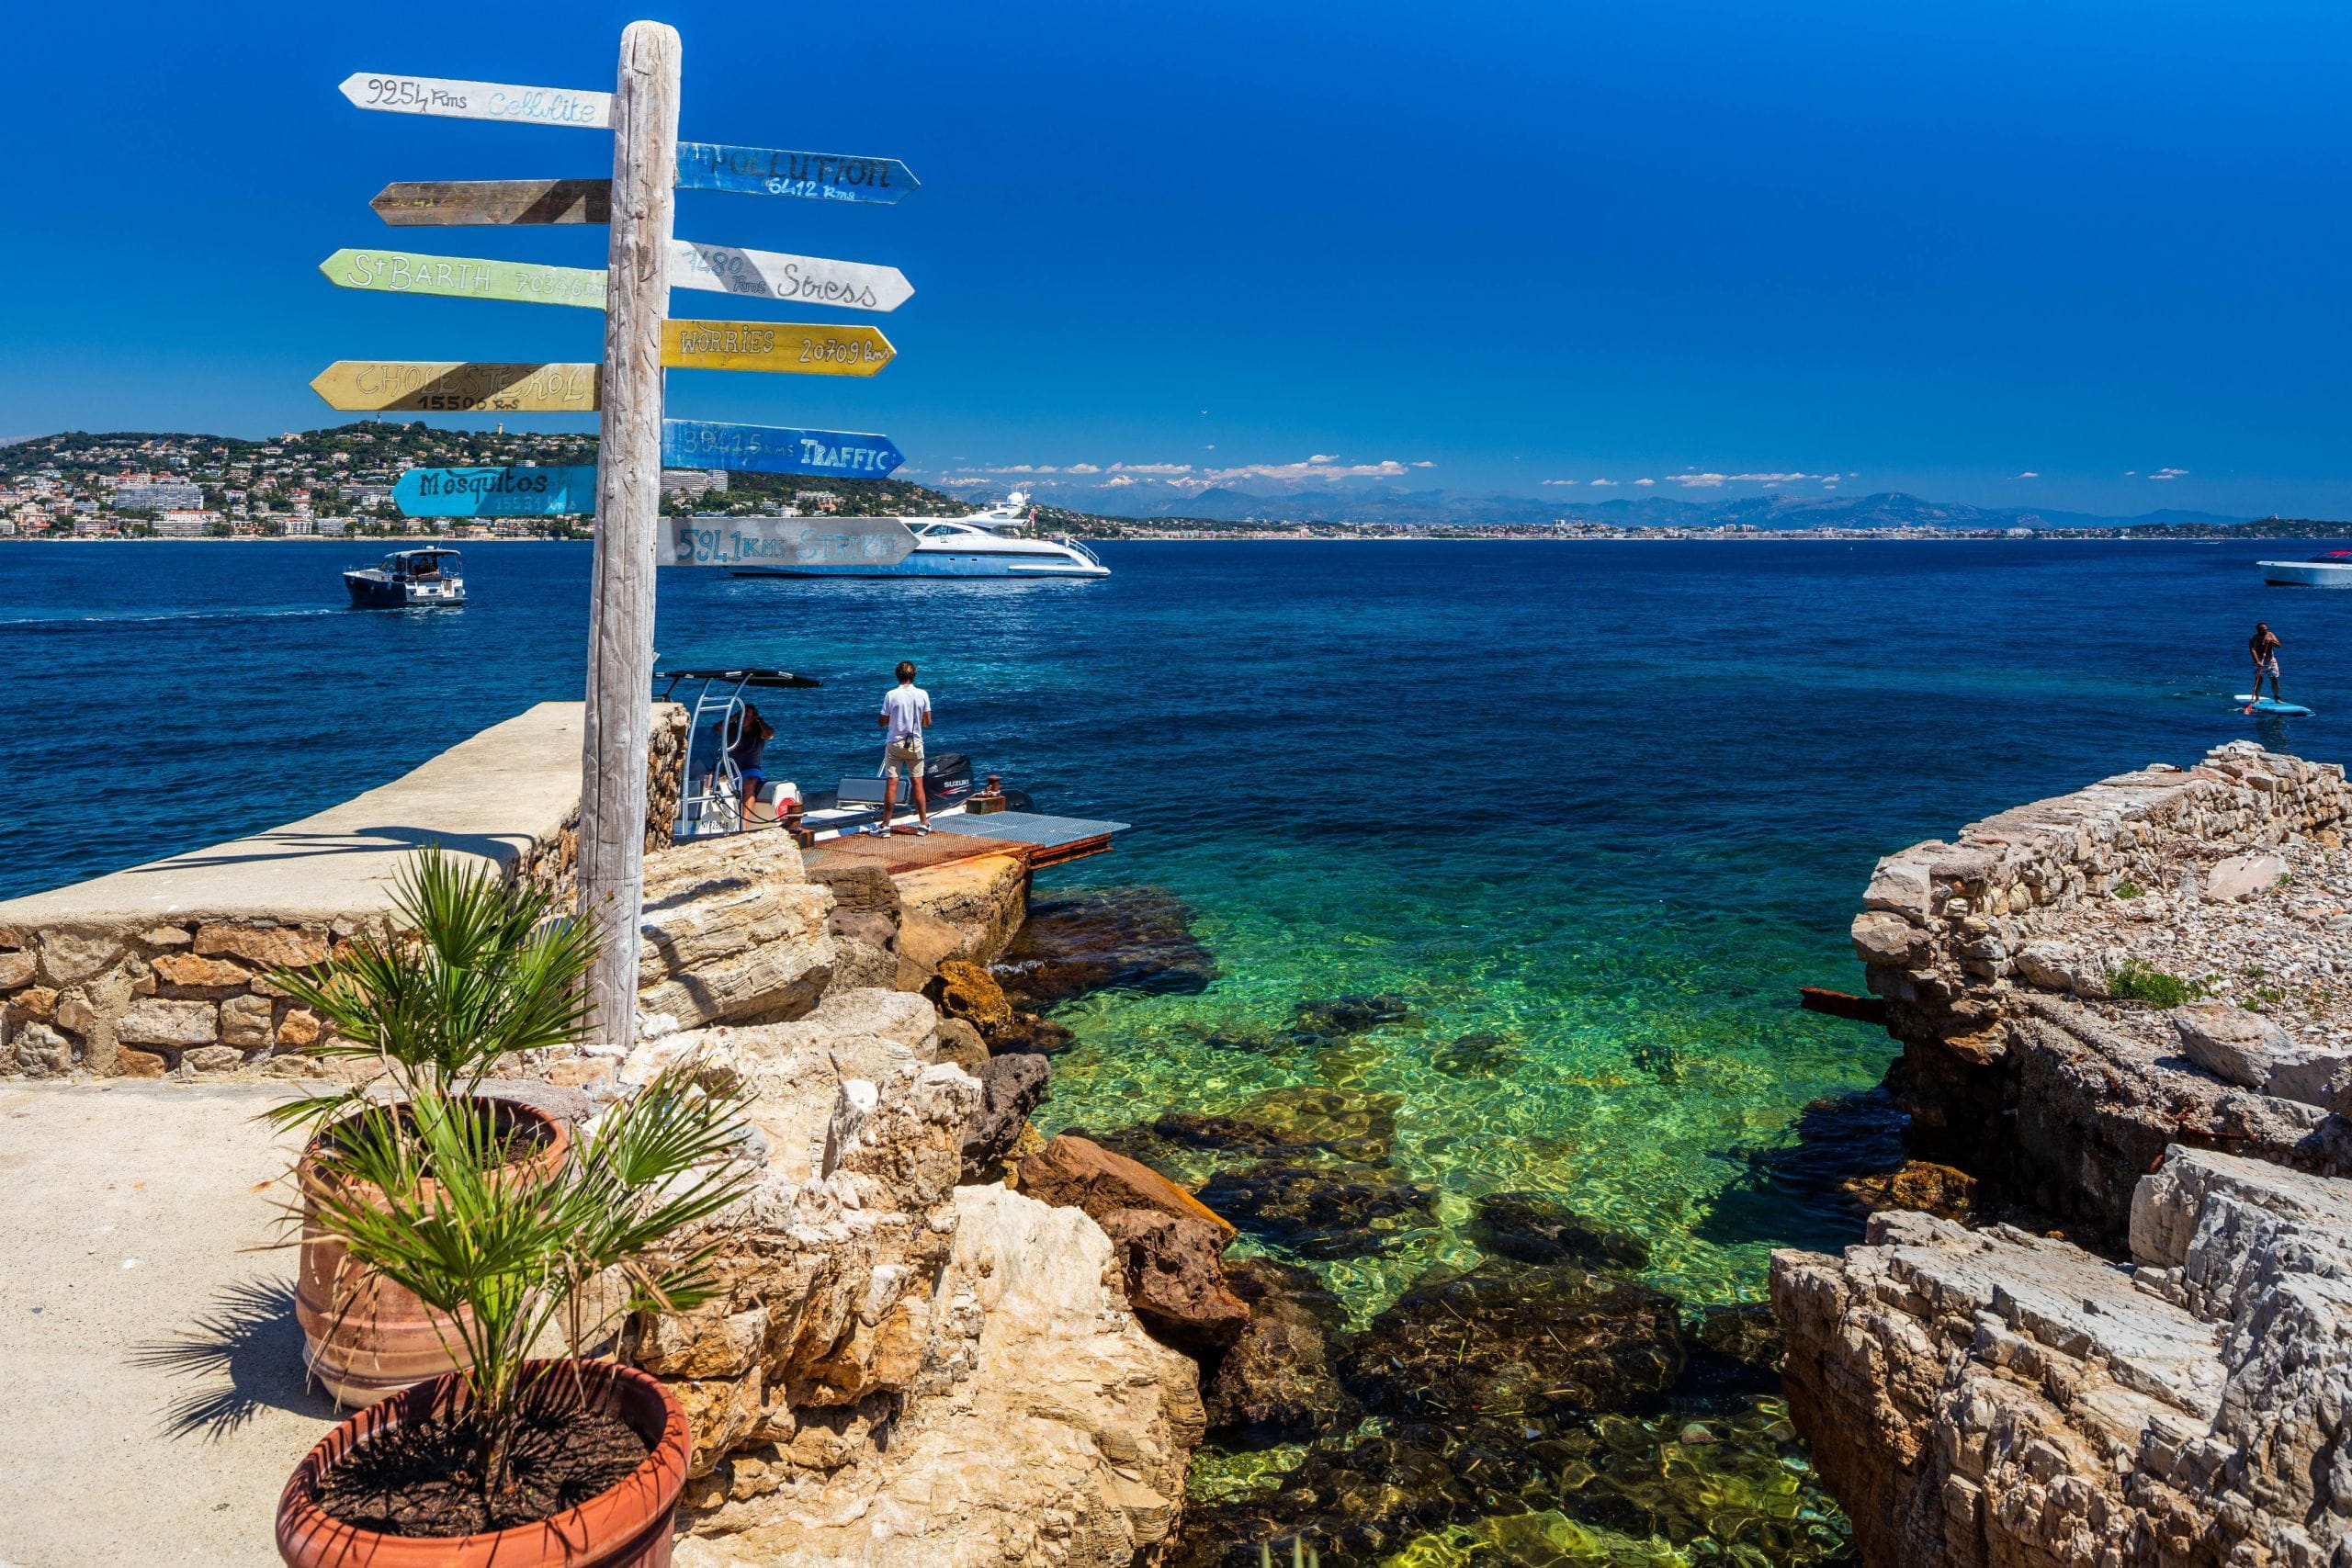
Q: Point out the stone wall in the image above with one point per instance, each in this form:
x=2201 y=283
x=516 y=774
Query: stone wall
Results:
x=125 y=997
x=1993 y=1397
x=2003 y=958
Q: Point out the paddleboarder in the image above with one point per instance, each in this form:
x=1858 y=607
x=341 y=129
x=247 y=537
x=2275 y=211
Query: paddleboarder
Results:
x=2264 y=646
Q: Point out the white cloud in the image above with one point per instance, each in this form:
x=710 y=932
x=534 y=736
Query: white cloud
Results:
x=1324 y=458
x=2130 y=473
x=1645 y=481
x=1716 y=481
x=2030 y=474
x=1561 y=482
x=1083 y=469
x=2168 y=473
x=1424 y=463
x=1313 y=468
x=1159 y=468
x=1598 y=483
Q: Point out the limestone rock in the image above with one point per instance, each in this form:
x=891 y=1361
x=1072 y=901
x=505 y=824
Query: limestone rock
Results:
x=2246 y=1048
x=733 y=932
x=2062 y=967
x=977 y=902
x=1077 y=1173
x=34 y=1001
x=40 y=1052
x=961 y=1043
x=2241 y=877
x=245 y=1020
x=132 y=1064
x=1059 y=1432
x=1890 y=939
x=967 y=991
x=154 y=1021
x=212 y=1060
x=1169 y=1268
x=1995 y=1397
x=1920 y=1185
x=265 y=947
x=196 y=970
x=15 y=969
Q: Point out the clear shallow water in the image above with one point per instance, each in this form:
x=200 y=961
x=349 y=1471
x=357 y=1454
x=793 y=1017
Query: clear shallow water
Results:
x=1605 y=804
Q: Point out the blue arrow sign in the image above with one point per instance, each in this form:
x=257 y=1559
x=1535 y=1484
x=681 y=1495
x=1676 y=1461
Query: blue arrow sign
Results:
x=769 y=449
x=495 y=492
x=769 y=171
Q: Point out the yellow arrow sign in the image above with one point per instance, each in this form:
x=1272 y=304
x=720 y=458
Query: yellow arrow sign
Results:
x=774 y=346
x=456 y=387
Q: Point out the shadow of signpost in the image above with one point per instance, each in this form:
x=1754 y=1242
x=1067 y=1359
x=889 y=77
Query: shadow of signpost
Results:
x=244 y=1354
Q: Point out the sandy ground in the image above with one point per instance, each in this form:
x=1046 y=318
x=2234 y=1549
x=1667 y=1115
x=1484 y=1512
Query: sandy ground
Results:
x=155 y=1367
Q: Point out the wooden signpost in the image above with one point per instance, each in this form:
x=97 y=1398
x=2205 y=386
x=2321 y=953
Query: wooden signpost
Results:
x=792 y=348
x=878 y=543
x=770 y=449
x=433 y=387
x=770 y=171
x=403 y=272
x=517 y=491
x=642 y=261
x=771 y=274
x=478 y=100
x=446 y=203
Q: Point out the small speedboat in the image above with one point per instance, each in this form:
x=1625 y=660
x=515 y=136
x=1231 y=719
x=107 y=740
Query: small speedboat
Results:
x=2331 y=569
x=984 y=544
x=407 y=579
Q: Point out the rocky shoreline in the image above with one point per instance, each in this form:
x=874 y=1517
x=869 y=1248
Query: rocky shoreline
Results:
x=2125 y=1024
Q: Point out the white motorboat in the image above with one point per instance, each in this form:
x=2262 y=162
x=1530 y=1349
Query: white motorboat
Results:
x=2331 y=569
x=980 y=545
x=406 y=579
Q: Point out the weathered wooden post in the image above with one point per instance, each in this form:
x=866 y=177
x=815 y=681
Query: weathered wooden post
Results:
x=617 y=735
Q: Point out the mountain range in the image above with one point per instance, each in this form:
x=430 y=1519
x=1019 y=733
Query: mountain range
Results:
x=1375 y=505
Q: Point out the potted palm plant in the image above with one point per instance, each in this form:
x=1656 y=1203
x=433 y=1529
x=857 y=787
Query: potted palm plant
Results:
x=515 y=1460
x=476 y=969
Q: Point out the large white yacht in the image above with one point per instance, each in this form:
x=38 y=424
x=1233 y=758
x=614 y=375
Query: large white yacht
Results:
x=2330 y=568
x=980 y=545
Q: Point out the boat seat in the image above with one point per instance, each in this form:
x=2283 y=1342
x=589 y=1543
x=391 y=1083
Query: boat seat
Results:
x=862 y=790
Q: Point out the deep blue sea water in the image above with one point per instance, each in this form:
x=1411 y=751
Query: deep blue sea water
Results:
x=1605 y=804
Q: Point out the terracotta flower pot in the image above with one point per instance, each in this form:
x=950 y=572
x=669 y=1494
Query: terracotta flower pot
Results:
x=363 y=1336
x=628 y=1526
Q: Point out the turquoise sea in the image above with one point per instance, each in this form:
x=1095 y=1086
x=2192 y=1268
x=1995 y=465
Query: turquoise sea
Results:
x=1589 y=813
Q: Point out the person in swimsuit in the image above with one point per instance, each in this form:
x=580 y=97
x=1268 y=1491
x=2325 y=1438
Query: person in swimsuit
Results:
x=2264 y=645
x=750 y=756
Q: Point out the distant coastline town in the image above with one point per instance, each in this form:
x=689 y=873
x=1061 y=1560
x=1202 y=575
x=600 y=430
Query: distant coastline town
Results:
x=337 y=483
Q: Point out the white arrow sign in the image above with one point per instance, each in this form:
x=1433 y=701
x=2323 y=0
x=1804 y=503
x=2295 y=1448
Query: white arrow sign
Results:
x=771 y=274
x=478 y=100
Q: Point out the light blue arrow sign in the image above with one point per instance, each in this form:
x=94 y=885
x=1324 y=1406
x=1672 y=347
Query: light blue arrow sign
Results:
x=495 y=492
x=770 y=449
x=770 y=171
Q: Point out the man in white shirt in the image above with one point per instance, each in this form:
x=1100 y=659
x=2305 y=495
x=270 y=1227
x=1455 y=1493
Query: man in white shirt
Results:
x=906 y=714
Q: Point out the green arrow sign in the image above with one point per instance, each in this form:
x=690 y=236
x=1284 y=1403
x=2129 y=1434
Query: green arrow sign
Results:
x=402 y=272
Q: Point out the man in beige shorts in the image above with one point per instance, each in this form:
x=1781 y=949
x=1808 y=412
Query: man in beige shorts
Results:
x=906 y=714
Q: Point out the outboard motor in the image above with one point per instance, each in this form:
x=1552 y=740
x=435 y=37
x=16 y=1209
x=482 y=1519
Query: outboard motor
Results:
x=947 y=778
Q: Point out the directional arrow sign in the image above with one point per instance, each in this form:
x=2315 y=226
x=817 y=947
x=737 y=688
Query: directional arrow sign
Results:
x=496 y=493
x=768 y=449
x=770 y=275
x=449 y=202
x=439 y=386
x=400 y=271
x=768 y=171
x=774 y=346
x=478 y=100
x=874 y=542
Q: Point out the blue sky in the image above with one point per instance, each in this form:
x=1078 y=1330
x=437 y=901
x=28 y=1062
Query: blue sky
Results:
x=1933 y=247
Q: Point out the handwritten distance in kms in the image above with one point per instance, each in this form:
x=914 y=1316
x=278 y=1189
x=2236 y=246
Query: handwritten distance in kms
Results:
x=478 y=100
x=402 y=272
x=754 y=345
x=458 y=387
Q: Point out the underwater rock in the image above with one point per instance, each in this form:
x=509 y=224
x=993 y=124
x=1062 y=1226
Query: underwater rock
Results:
x=1277 y=1383
x=1346 y=1015
x=1316 y=1210
x=1919 y=1184
x=1476 y=1056
x=1168 y=1264
x=1535 y=1227
x=1289 y=1122
x=1133 y=939
x=1553 y=1340
x=1032 y=1035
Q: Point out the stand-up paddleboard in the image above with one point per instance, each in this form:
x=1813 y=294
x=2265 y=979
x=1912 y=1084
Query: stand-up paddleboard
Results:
x=2272 y=705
